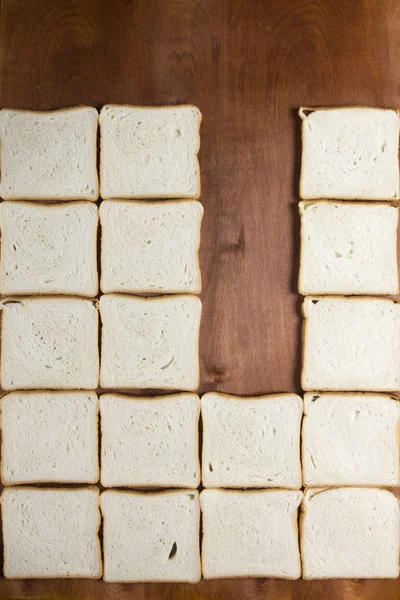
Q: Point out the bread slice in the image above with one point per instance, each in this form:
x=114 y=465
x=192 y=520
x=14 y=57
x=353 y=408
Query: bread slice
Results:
x=250 y=534
x=49 y=343
x=251 y=442
x=350 y=153
x=150 y=247
x=150 y=342
x=51 y=532
x=149 y=152
x=351 y=439
x=348 y=248
x=49 y=155
x=48 y=249
x=49 y=437
x=151 y=537
x=351 y=344
x=150 y=442
x=351 y=533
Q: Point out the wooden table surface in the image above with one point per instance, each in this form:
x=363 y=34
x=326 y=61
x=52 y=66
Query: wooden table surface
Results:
x=248 y=65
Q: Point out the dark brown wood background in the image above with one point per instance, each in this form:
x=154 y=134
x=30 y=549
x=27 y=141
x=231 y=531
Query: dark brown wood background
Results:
x=248 y=65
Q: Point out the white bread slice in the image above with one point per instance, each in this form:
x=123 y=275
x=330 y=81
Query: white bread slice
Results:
x=49 y=343
x=150 y=247
x=48 y=249
x=150 y=442
x=351 y=344
x=49 y=155
x=350 y=153
x=250 y=534
x=348 y=248
x=149 y=152
x=49 y=437
x=151 y=537
x=251 y=442
x=350 y=533
x=51 y=532
x=351 y=439
x=150 y=342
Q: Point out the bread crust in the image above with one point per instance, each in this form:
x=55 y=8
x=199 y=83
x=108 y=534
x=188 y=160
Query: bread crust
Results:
x=89 y=198
x=154 y=196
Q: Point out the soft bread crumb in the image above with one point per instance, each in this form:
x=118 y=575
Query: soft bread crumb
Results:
x=251 y=442
x=150 y=247
x=351 y=344
x=350 y=153
x=49 y=155
x=350 y=533
x=150 y=342
x=250 y=534
x=51 y=533
x=150 y=441
x=149 y=152
x=151 y=537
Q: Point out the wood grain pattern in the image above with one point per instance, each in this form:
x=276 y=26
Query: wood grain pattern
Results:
x=248 y=65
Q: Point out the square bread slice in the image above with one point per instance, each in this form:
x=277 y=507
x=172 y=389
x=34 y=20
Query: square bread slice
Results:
x=51 y=532
x=150 y=247
x=351 y=344
x=351 y=439
x=350 y=153
x=151 y=537
x=250 y=534
x=48 y=249
x=150 y=442
x=49 y=437
x=49 y=155
x=348 y=248
x=251 y=442
x=350 y=533
x=150 y=343
x=49 y=343
x=149 y=152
